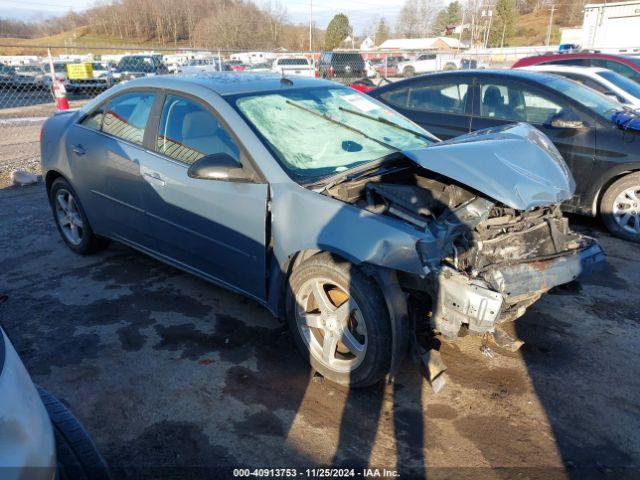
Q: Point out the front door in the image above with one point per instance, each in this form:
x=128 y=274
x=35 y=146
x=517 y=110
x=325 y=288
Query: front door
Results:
x=213 y=227
x=502 y=102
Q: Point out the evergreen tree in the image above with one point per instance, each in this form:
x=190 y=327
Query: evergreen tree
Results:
x=382 y=32
x=337 y=30
x=504 y=21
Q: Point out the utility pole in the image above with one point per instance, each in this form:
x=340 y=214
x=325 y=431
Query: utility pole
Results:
x=552 y=10
x=311 y=29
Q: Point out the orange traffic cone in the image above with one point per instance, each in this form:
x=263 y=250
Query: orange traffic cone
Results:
x=60 y=94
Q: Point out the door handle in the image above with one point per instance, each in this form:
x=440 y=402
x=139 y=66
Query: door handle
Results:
x=154 y=177
x=79 y=150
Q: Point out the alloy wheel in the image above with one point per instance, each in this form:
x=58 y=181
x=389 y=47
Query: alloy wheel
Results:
x=626 y=210
x=331 y=325
x=68 y=216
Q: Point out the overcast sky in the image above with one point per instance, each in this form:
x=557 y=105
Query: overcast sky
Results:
x=360 y=12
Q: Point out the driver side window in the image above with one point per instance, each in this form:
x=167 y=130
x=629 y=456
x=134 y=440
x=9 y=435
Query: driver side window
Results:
x=516 y=104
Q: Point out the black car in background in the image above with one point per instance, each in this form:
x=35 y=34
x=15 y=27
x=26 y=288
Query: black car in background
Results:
x=344 y=67
x=134 y=66
x=602 y=152
x=7 y=76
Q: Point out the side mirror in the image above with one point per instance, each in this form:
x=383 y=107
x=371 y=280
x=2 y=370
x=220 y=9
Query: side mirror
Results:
x=564 y=123
x=219 y=166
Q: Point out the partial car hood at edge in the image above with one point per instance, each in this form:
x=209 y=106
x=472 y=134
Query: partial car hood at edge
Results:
x=516 y=165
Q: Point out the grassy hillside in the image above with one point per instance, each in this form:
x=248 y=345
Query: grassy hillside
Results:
x=531 y=29
x=67 y=41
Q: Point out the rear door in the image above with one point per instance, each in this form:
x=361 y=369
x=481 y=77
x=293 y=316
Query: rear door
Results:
x=104 y=150
x=502 y=102
x=441 y=105
x=213 y=227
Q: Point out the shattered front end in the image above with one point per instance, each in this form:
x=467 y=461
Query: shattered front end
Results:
x=502 y=263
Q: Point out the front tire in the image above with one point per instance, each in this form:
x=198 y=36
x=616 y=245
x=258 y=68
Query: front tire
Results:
x=620 y=207
x=339 y=321
x=78 y=458
x=71 y=220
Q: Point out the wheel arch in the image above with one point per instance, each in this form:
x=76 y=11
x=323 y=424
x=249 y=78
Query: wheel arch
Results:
x=50 y=177
x=386 y=280
x=606 y=182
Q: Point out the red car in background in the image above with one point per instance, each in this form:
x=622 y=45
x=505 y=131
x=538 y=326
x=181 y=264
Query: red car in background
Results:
x=626 y=65
x=235 y=65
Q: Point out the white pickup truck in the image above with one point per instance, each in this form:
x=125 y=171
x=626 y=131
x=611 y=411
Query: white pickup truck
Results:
x=428 y=62
x=293 y=66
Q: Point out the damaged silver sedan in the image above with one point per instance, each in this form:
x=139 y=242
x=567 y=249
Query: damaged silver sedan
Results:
x=333 y=211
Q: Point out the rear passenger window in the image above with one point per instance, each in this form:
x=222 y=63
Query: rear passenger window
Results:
x=93 y=121
x=188 y=132
x=126 y=116
x=445 y=98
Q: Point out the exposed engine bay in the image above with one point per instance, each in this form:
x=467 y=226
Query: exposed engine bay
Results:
x=484 y=262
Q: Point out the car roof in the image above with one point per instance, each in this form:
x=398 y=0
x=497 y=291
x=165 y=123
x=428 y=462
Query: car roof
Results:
x=590 y=71
x=545 y=57
x=518 y=73
x=231 y=83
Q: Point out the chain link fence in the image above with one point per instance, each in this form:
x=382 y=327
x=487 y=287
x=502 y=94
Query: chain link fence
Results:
x=27 y=76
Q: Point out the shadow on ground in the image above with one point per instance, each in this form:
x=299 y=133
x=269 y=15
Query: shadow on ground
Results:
x=174 y=377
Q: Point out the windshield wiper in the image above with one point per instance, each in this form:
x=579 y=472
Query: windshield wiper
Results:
x=344 y=125
x=391 y=124
x=367 y=168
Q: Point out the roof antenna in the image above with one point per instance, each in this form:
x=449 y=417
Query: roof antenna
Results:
x=285 y=81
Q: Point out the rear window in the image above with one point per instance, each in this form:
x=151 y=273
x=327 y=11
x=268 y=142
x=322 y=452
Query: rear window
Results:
x=349 y=58
x=293 y=61
x=143 y=64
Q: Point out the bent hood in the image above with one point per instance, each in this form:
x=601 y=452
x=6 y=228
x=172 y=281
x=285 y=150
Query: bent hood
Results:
x=516 y=165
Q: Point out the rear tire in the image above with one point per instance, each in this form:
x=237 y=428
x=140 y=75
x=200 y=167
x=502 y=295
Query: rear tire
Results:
x=71 y=220
x=620 y=207
x=78 y=458
x=408 y=72
x=351 y=342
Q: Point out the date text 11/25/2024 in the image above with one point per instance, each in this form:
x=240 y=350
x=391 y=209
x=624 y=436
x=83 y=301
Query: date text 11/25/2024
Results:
x=315 y=473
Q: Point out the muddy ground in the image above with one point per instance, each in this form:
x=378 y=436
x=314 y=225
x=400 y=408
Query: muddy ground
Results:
x=169 y=372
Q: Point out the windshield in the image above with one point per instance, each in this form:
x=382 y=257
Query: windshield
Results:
x=629 y=86
x=30 y=68
x=308 y=145
x=597 y=102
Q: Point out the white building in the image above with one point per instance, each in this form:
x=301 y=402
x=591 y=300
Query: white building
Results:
x=367 y=44
x=611 y=25
x=441 y=44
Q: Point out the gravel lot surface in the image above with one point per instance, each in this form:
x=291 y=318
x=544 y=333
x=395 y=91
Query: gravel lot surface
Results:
x=170 y=373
